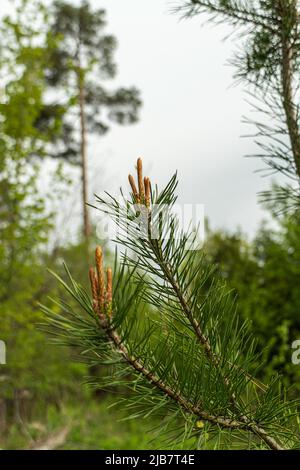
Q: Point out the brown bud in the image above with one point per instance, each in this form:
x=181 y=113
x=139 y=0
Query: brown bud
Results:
x=147 y=191
x=94 y=284
x=134 y=189
x=100 y=275
x=95 y=306
x=140 y=179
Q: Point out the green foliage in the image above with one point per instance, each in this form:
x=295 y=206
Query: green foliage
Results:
x=98 y=426
x=32 y=365
x=25 y=52
x=174 y=339
x=183 y=354
x=266 y=274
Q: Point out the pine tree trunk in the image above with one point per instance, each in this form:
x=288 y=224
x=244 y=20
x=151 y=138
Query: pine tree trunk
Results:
x=287 y=72
x=83 y=154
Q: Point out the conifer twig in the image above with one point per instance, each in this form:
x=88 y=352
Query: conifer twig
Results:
x=104 y=318
x=267 y=60
x=204 y=341
x=198 y=361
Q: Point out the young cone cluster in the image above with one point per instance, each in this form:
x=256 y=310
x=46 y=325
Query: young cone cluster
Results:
x=142 y=195
x=101 y=293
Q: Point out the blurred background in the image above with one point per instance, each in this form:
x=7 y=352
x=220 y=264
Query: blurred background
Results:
x=86 y=88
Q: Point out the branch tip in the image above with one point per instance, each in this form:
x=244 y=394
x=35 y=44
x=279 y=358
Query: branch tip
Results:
x=94 y=283
x=147 y=191
x=101 y=293
x=140 y=179
x=100 y=275
x=134 y=188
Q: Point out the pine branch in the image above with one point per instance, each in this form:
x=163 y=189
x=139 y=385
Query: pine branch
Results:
x=172 y=394
x=268 y=61
x=236 y=13
x=164 y=316
x=154 y=247
x=204 y=341
x=221 y=421
x=244 y=423
x=287 y=77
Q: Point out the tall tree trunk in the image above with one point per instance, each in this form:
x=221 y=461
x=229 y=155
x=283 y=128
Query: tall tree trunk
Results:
x=83 y=154
x=290 y=108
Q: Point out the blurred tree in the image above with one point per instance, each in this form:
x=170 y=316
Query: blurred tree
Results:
x=25 y=51
x=23 y=220
x=268 y=61
x=265 y=273
x=83 y=58
x=32 y=371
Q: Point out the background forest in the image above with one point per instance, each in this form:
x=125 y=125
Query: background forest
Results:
x=58 y=90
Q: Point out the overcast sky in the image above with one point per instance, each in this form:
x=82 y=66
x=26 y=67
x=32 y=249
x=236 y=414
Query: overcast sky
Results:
x=191 y=117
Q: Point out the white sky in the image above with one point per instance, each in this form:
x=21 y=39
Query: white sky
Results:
x=191 y=118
